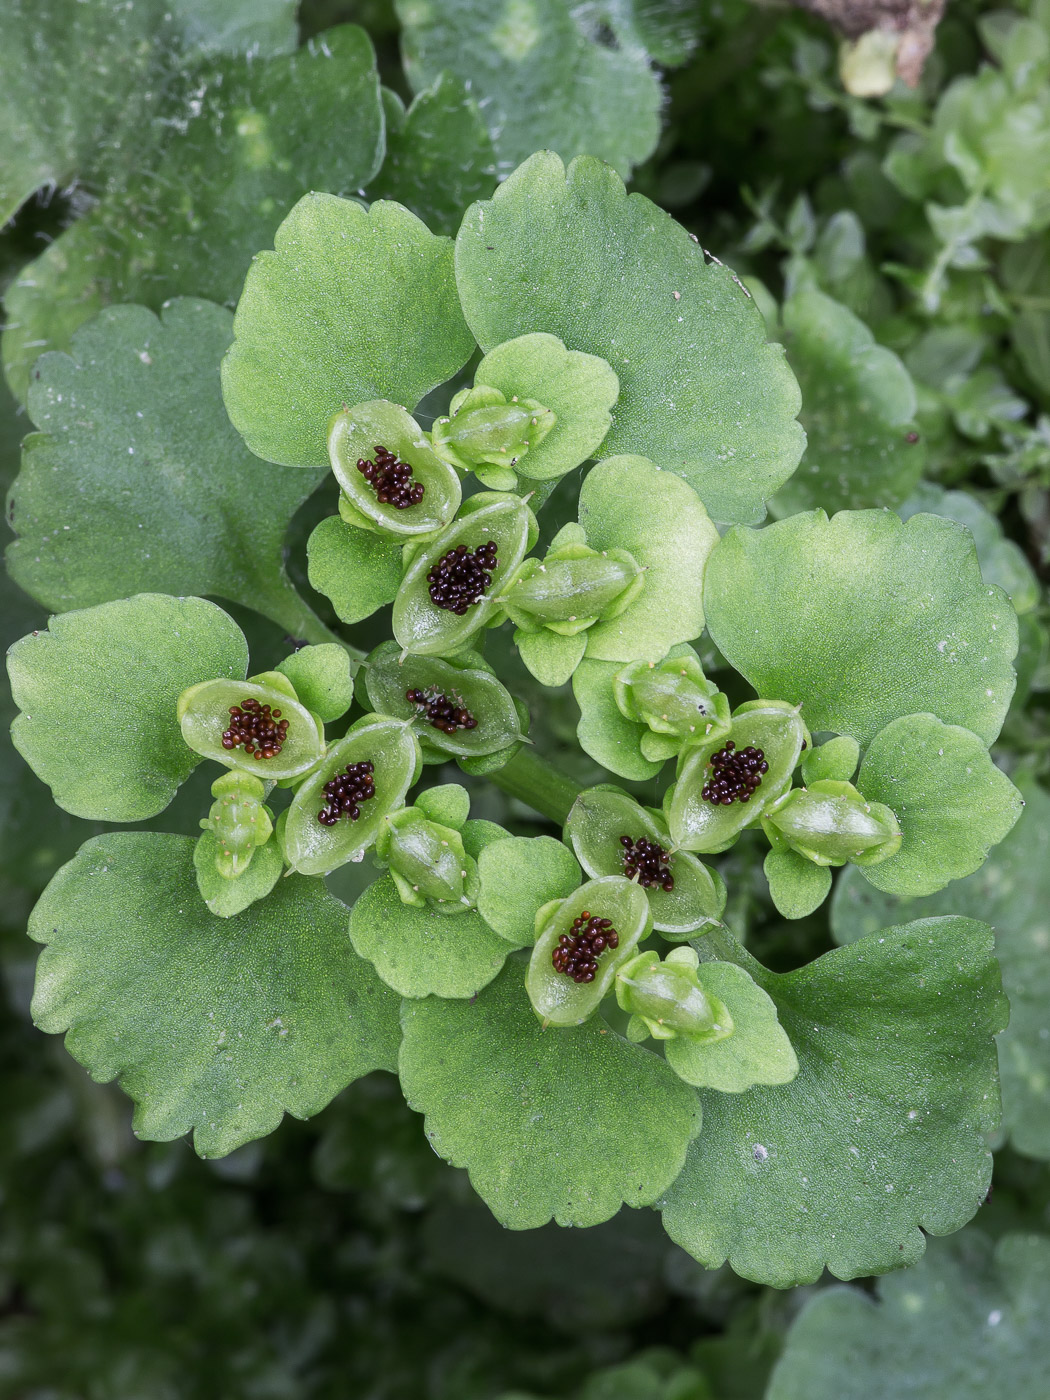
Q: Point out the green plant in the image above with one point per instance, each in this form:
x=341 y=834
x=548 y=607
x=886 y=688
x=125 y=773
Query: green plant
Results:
x=518 y=984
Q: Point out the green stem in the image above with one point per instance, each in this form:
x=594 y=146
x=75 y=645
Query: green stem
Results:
x=534 y=780
x=292 y=612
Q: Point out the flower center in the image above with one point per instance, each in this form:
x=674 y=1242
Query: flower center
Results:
x=441 y=712
x=578 y=950
x=256 y=728
x=735 y=774
x=648 y=862
x=346 y=791
x=459 y=579
x=391 y=479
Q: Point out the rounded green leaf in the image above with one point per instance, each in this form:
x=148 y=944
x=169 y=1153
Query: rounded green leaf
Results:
x=880 y=1137
x=134 y=430
x=204 y=713
x=952 y=802
x=358 y=571
x=557 y=997
x=420 y=952
x=356 y=435
x=98 y=693
x=858 y=410
x=601 y=817
x=604 y=731
x=552 y=657
x=861 y=619
x=757 y=1052
x=219 y=1026
x=322 y=678
x=422 y=627
x=518 y=877
x=968 y=1320
x=1011 y=892
x=796 y=886
x=580 y=390
x=389 y=676
x=701 y=392
x=563 y=1124
x=313 y=848
x=317 y=326
x=629 y=504
x=226 y=897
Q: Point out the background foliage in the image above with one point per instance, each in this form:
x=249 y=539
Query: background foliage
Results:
x=898 y=248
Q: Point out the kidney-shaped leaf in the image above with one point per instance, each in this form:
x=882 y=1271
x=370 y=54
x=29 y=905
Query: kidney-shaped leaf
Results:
x=216 y=1025
x=563 y=1123
x=352 y=305
x=881 y=1134
x=98 y=692
x=968 y=1321
x=862 y=619
x=1011 y=892
x=701 y=392
x=137 y=481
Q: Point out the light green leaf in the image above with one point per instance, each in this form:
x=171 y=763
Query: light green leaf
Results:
x=858 y=410
x=560 y=1123
x=796 y=885
x=357 y=570
x=552 y=657
x=758 y=1051
x=701 y=392
x=953 y=804
x=226 y=897
x=604 y=731
x=883 y=1130
x=215 y=1025
x=627 y=503
x=317 y=326
x=322 y=679
x=518 y=877
x=1003 y=561
x=1011 y=892
x=968 y=1321
x=542 y=75
x=238 y=139
x=98 y=692
x=167 y=497
x=861 y=619
x=580 y=390
x=835 y=760
x=439 y=155
x=447 y=804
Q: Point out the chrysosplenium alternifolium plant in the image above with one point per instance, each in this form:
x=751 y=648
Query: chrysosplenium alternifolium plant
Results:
x=573 y=1016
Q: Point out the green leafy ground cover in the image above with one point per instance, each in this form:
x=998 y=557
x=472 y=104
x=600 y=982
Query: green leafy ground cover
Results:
x=891 y=288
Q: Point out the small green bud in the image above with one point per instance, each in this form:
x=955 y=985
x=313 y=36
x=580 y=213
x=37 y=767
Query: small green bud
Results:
x=668 y=998
x=238 y=820
x=256 y=725
x=830 y=823
x=572 y=588
x=486 y=429
x=580 y=943
x=391 y=478
x=427 y=862
x=673 y=697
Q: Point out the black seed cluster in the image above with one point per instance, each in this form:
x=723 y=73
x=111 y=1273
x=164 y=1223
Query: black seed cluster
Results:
x=648 y=861
x=448 y=715
x=578 y=950
x=735 y=774
x=346 y=791
x=459 y=579
x=391 y=480
x=256 y=728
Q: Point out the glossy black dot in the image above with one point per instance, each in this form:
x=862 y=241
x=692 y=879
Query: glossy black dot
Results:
x=256 y=728
x=735 y=774
x=577 y=952
x=345 y=792
x=459 y=579
x=391 y=480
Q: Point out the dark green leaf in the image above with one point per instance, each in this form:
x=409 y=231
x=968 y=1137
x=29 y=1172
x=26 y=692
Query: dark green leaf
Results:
x=357 y=570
